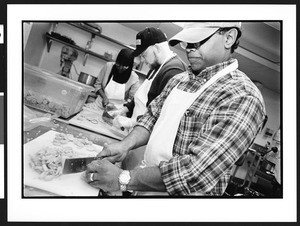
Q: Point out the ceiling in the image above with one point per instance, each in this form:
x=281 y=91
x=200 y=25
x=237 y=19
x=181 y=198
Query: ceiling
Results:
x=259 y=52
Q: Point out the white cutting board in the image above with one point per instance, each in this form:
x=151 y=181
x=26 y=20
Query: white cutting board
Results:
x=64 y=185
x=100 y=127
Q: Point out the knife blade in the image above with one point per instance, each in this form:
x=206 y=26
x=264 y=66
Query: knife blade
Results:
x=76 y=165
x=109 y=119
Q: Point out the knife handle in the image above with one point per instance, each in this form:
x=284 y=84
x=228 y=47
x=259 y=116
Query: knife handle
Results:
x=102 y=193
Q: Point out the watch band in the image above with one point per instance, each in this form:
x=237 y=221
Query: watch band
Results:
x=123 y=187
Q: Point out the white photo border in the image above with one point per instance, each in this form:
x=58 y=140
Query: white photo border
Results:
x=131 y=210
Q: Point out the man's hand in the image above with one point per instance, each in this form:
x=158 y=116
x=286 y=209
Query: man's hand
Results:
x=121 y=121
x=121 y=111
x=105 y=102
x=103 y=174
x=115 y=152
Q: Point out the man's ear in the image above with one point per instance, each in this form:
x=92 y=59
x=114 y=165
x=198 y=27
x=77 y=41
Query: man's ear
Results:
x=230 y=37
x=156 y=48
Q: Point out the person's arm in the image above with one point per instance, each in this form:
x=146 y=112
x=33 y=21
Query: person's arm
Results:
x=105 y=100
x=99 y=84
x=146 y=179
x=105 y=175
x=100 y=79
x=116 y=152
x=127 y=109
x=222 y=139
x=134 y=84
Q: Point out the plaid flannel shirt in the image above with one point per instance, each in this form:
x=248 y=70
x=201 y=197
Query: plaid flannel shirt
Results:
x=213 y=133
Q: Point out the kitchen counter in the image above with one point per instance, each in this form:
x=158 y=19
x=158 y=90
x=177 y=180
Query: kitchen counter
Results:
x=60 y=125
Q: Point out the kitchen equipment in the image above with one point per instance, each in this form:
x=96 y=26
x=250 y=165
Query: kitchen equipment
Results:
x=86 y=79
x=83 y=120
x=267 y=166
x=64 y=185
x=76 y=165
x=61 y=37
x=53 y=93
x=107 y=118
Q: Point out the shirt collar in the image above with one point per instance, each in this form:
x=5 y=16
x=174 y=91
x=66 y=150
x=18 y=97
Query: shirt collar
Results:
x=208 y=72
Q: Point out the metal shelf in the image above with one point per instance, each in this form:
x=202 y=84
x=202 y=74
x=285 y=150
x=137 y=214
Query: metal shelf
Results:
x=49 y=38
x=78 y=25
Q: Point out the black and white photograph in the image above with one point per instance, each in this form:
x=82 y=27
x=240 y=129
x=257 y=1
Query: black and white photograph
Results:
x=136 y=110
x=87 y=85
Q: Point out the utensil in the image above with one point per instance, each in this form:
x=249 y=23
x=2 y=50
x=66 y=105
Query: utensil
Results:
x=107 y=117
x=76 y=165
x=68 y=185
x=86 y=79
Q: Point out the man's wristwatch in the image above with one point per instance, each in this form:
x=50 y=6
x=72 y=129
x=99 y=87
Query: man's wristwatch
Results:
x=124 y=179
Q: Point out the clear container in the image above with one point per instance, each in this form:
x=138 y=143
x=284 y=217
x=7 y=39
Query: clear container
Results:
x=53 y=93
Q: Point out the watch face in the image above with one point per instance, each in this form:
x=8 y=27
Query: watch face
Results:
x=125 y=177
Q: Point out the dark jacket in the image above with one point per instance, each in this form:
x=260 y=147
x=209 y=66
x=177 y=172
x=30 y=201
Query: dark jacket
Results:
x=170 y=69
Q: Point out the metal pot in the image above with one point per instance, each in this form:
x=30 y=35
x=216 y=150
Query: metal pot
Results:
x=86 y=79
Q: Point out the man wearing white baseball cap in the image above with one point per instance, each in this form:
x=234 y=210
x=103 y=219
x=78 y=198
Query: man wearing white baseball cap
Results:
x=198 y=127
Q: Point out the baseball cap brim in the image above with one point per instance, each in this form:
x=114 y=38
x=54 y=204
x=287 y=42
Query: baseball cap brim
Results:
x=192 y=35
x=138 y=51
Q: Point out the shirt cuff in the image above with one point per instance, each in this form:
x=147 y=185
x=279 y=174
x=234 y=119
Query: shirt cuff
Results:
x=172 y=176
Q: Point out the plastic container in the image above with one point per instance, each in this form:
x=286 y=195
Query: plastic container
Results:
x=53 y=93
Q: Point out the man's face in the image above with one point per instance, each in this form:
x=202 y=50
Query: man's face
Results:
x=149 y=56
x=209 y=53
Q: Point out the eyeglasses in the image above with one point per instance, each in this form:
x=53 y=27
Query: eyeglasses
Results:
x=121 y=66
x=194 y=46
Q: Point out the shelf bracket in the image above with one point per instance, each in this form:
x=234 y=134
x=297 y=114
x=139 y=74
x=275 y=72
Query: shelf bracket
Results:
x=88 y=47
x=48 y=40
x=49 y=43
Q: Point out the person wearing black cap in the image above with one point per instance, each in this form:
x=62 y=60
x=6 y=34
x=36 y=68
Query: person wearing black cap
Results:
x=152 y=46
x=117 y=83
x=197 y=128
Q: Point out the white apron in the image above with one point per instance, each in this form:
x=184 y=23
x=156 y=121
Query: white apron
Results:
x=141 y=95
x=161 y=141
x=115 y=92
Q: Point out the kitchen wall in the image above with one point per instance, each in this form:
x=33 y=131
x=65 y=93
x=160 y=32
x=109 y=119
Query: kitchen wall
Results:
x=36 y=54
x=51 y=60
x=36 y=51
x=35 y=43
